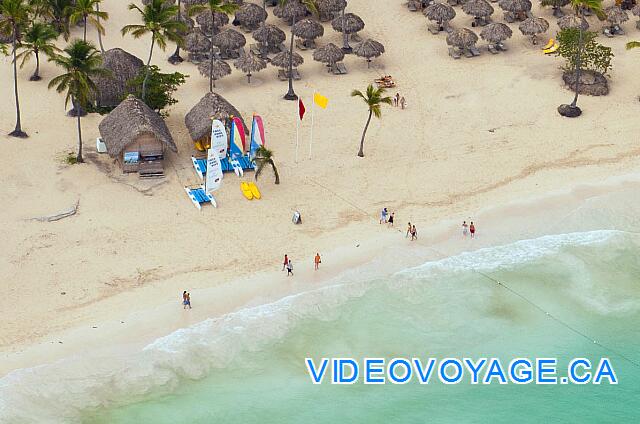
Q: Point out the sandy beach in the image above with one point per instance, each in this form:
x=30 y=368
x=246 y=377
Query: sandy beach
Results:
x=477 y=134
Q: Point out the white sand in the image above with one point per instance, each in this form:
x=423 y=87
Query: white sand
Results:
x=478 y=132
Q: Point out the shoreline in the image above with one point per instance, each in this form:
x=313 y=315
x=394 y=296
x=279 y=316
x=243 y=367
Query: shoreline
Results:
x=499 y=225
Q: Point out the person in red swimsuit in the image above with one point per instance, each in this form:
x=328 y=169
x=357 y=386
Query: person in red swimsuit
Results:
x=472 y=229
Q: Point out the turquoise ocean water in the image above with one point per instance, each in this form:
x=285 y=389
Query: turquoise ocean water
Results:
x=248 y=367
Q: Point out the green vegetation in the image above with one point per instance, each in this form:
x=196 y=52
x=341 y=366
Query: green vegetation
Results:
x=160 y=88
x=594 y=56
x=374 y=99
x=263 y=158
x=38 y=38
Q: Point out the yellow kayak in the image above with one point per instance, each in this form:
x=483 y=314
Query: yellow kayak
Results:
x=254 y=190
x=200 y=147
x=246 y=190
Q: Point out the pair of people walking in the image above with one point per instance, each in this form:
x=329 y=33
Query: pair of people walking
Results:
x=411 y=231
x=386 y=218
x=468 y=229
x=399 y=101
x=186 y=300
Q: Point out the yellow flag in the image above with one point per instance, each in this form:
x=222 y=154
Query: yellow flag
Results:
x=320 y=100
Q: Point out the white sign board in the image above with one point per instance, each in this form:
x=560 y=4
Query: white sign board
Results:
x=219 y=141
x=214 y=172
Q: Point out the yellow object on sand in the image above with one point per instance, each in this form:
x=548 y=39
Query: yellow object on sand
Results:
x=554 y=48
x=549 y=44
x=254 y=190
x=246 y=190
x=200 y=147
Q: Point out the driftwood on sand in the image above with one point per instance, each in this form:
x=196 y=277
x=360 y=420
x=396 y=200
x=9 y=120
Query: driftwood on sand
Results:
x=58 y=216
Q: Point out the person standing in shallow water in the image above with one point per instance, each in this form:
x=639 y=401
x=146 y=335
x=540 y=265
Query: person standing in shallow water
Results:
x=289 y=268
x=317 y=261
x=408 y=230
x=186 y=300
x=286 y=261
x=472 y=230
x=465 y=228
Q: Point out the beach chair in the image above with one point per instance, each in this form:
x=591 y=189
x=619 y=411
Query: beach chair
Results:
x=551 y=49
x=492 y=49
x=509 y=17
x=454 y=53
x=549 y=44
x=296 y=74
x=200 y=165
x=607 y=31
x=300 y=44
x=467 y=53
x=501 y=46
x=412 y=6
x=339 y=68
x=199 y=196
x=434 y=29
x=474 y=51
x=255 y=49
x=617 y=30
x=282 y=75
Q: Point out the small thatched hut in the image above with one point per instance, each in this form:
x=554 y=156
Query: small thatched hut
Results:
x=122 y=67
x=137 y=137
x=211 y=106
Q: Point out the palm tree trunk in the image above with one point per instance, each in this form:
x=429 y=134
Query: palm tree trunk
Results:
x=275 y=172
x=213 y=31
x=291 y=95
x=364 y=133
x=36 y=73
x=99 y=33
x=175 y=58
x=79 y=158
x=84 y=31
x=578 y=61
x=17 y=132
x=146 y=72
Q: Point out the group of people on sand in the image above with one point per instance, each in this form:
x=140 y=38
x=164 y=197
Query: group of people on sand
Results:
x=288 y=265
x=468 y=229
x=386 y=217
x=398 y=100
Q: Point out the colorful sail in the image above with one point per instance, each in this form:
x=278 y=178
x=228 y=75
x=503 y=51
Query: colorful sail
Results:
x=257 y=136
x=219 y=138
x=237 y=140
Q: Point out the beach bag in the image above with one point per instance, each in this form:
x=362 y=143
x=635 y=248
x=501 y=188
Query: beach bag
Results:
x=296 y=219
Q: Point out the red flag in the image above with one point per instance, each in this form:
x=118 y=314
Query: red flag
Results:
x=301 y=109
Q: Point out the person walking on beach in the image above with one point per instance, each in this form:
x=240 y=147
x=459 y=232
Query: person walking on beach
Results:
x=396 y=99
x=186 y=300
x=414 y=233
x=390 y=222
x=316 y=261
x=383 y=216
x=408 y=230
x=465 y=228
x=403 y=103
x=289 y=268
x=472 y=229
x=286 y=261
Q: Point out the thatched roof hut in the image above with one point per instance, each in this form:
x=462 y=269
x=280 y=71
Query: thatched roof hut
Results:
x=204 y=20
x=308 y=29
x=269 y=35
x=573 y=21
x=439 y=12
x=249 y=63
x=515 y=6
x=228 y=40
x=328 y=54
x=462 y=38
x=478 y=8
x=281 y=60
x=132 y=127
x=636 y=10
x=250 y=16
x=211 y=106
x=496 y=32
x=352 y=23
x=615 y=15
x=368 y=49
x=123 y=67
x=292 y=11
x=533 y=26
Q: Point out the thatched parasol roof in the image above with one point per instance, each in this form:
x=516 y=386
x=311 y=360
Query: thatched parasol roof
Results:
x=220 y=68
x=204 y=20
x=462 y=38
x=292 y=10
x=192 y=2
x=477 y=8
x=249 y=63
x=123 y=67
x=281 y=60
x=515 y=6
x=352 y=23
x=127 y=121
x=330 y=6
x=615 y=15
x=328 y=54
x=251 y=14
x=533 y=26
x=197 y=42
x=439 y=12
x=496 y=32
x=229 y=39
x=166 y=2
x=308 y=29
x=269 y=34
x=368 y=48
x=211 y=106
x=572 y=21
x=636 y=10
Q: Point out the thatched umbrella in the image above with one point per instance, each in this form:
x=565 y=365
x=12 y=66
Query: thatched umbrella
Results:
x=477 y=8
x=166 y=2
x=515 y=6
x=463 y=38
x=229 y=41
x=329 y=54
x=573 y=21
x=250 y=16
x=220 y=69
x=211 y=106
x=122 y=67
x=328 y=8
x=269 y=36
x=308 y=30
x=533 y=27
x=556 y=4
x=636 y=12
x=347 y=24
x=495 y=33
x=249 y=63
x=291 y=12
x=198 y=46
x=205 y=22
x=615 y=15
x=440 y=13
x=368 y=49
x=284 y=59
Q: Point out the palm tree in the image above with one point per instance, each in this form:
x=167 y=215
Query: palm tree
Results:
x=263 y=158
x=14 y=15
x=213 y=7
x=579 y=7
x=311 y=5
x=58 y=12
x=373 y=97
x=39 y=38
x=81 y=61
x=85 y=11
x=159 y=19
x=175 y=58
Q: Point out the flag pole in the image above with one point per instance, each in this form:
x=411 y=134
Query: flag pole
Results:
x=313 y=107
x=297 y=128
